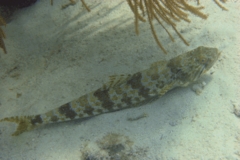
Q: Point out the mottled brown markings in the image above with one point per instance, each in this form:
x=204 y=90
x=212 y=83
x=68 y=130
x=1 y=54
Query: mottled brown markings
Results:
x=132 y=92
x=78 y=110
x=135 y=83
x=83 y=101
x=115 y=98
x=67 y=111
x=118 y=90
x=153 y=73
x=104 y=97
x=119 y=105
x=160 y=84
x=150 y=84
x=97 y=104
x=80 y=115
x=54 y=118
x=154 y=77
x=137 y=99
x=89 y=111
x=144 y=92
x=99 y=110
x=126 y=87
x=36 y=119
x=145 y=79
x=127 y=100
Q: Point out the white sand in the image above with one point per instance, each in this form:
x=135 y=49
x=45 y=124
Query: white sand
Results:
x=55 y=56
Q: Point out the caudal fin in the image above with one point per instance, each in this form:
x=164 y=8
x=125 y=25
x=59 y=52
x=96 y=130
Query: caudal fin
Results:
x=24 y=123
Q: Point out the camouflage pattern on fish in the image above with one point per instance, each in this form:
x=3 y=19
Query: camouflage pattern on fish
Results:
x=126 y=91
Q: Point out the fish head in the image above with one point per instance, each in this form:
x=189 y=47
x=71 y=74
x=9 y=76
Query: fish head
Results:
x=189 y=66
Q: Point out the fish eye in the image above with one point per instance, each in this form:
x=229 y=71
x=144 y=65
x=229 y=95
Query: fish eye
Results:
x=203 y=60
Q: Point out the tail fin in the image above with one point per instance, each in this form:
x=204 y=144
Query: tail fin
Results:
x=24 y=123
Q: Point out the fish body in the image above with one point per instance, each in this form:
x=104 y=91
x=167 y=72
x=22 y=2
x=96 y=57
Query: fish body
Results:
x=126 y=91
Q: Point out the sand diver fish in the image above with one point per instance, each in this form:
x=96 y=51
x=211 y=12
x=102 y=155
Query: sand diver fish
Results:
x=126 y=91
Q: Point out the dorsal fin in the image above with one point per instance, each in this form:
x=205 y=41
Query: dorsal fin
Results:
x=116 y=80
x=158 y=64
x=161 y=91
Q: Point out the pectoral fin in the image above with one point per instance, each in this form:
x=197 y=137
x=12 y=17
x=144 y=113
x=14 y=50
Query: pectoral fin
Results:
x=165 y=89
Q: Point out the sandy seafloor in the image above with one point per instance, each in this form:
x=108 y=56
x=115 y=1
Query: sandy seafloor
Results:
x=55 y=56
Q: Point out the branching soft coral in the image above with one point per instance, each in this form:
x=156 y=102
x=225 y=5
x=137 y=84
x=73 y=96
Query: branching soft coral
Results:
x=168 y=11
x=2 y=35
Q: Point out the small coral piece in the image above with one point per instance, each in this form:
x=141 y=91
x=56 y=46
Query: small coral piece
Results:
x=236 y=110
